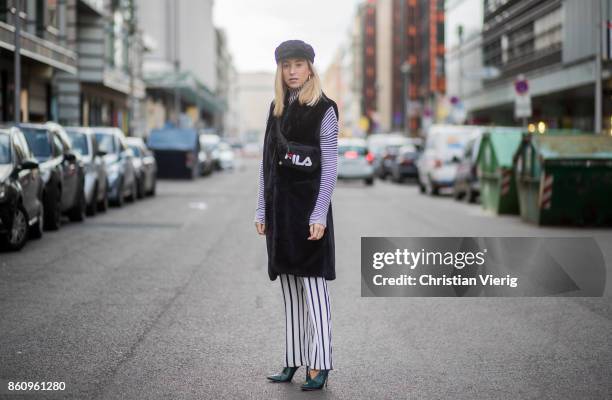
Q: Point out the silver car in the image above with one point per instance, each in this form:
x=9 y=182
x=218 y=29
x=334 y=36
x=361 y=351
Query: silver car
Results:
x=145 y=166
x=354 y=160
x=119 y=167
x=96 y=184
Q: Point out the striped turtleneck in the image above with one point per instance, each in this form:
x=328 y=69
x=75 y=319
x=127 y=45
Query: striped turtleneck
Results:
x=329 y=167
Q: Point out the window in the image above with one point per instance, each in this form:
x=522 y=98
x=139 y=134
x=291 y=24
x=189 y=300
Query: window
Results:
x=4 y=10
x=79 y=142
x=136 y=150
x=5 y=149
x=106 y=143
x=38 y=141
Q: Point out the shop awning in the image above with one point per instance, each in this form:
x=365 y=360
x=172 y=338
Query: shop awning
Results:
x=190 y=89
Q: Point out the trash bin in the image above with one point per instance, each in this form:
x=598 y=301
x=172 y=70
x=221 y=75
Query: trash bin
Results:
x=564 y=179
x=495 y=172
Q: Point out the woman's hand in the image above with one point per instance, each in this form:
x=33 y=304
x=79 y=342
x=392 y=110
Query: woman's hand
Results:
x=316 y=231
x=261 y=228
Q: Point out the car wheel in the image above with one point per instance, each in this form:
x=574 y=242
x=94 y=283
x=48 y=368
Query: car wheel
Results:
x=457 y=194
x=36 y=230
x=103 y=204
x=421 y=186
x=77 y=213
x=431 y=189
x=133 y=192
x=471 y=196
x=153 y=187
x=141 y=188
x=53 y=209
x=118 y=202
x=369 y=181
x=92 y=208
x=18 y=235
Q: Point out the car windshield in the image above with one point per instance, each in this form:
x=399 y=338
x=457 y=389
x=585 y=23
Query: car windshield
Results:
x=106 y=142
x=136 y=150
x=361 y=150
x=173 y=139
x=450 y=145
x=408 y=151
x=79 y=142
x=5 y=149
x=38 y=141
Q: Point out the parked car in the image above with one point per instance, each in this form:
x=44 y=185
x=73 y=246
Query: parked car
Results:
x=444 y=146
x=467 y=184
x=21 y=188
x=62 y=172
x=404 y=165
x=206 y=154
x=96 y=182
x=144 y=166
x=227 y=159
x=117 y=157
x=210 y=142
x=384 y=147
x=354 y=160
x=176 y=152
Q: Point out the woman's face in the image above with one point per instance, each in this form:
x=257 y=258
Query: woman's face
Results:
x=295 y=72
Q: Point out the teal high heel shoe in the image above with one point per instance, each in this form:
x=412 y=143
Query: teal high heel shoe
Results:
x=317 y=382
x=284 y=376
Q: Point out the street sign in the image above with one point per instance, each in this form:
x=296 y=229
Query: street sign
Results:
x=522 y=98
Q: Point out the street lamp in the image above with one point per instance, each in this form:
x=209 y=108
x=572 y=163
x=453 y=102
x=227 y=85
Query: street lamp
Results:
x=405 y=70
x=17 y=68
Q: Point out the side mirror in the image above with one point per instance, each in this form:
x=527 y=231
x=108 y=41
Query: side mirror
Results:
x=70 y=157
x=29 y=164
x=100 y=153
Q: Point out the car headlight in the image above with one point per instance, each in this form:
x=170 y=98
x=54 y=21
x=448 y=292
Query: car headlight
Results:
x=2 y=191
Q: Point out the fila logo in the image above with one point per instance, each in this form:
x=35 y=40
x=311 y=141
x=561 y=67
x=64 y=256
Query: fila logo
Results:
x=295 y=159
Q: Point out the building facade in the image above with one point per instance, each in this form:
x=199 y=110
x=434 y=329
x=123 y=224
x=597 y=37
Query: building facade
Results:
x=558 y=46
x=180 y=68
x=45 y=52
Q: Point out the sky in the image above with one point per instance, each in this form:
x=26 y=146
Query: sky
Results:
x=256 y=28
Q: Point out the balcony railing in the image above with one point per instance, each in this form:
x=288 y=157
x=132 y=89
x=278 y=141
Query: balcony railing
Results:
x=39 y=49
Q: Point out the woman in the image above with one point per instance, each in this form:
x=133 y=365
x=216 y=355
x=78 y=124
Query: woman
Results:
x=294 y=212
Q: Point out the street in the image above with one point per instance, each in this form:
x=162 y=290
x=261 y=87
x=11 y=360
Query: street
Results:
x=170 y=299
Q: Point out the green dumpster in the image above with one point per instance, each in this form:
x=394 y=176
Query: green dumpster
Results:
x=565 y=179
x=495 y=172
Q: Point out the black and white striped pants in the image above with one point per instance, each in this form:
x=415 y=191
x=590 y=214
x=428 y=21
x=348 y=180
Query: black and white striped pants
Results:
x=308 y=338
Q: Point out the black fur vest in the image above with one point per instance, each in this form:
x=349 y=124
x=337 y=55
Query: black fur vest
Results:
x=290 y=197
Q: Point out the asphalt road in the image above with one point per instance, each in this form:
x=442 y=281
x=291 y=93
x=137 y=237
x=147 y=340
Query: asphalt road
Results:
x=169 y=298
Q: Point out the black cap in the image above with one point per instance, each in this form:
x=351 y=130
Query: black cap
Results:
x=294 y=49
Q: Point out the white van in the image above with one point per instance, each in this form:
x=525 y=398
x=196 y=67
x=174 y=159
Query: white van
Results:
x=444 y=145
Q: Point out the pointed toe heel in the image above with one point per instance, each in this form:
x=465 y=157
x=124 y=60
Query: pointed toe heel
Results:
x=317 y=382
x=284 y=376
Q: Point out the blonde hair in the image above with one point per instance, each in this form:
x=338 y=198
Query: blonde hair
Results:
x=310 y=93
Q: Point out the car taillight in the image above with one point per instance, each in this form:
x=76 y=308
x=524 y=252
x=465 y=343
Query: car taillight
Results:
x=437 y=163
x=370 y=158
x=189 y=159
x=350 y=154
